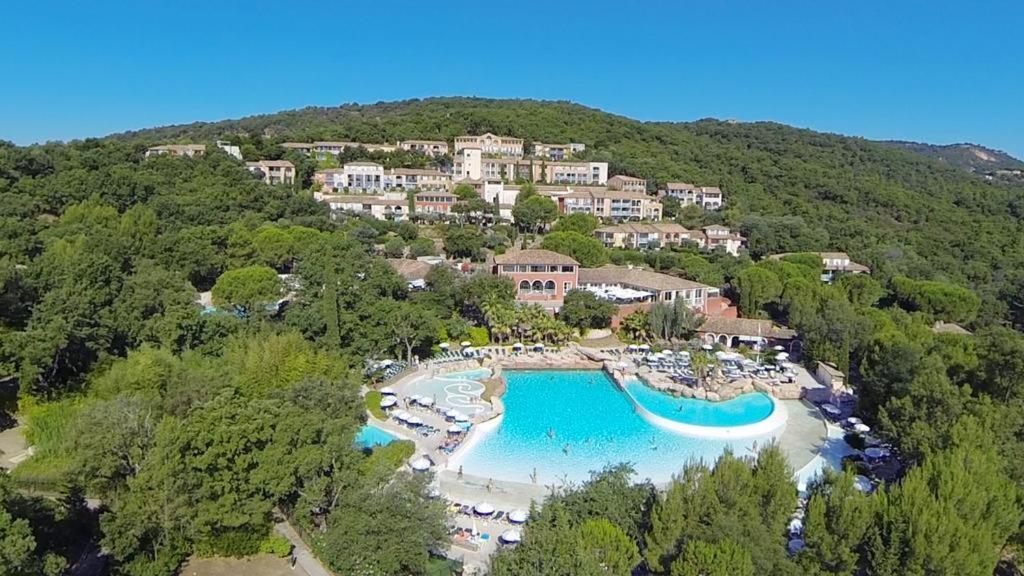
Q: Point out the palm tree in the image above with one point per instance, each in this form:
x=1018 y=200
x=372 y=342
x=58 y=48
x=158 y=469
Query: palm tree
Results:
x=636 y=325
x=702 y=363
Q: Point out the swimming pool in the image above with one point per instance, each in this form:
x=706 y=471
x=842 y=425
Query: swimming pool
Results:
x=740 y=411
x=565 y=423
x=370 y=436
x=458 y=390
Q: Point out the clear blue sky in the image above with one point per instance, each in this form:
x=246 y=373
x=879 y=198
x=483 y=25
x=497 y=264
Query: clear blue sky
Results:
x=934 y=71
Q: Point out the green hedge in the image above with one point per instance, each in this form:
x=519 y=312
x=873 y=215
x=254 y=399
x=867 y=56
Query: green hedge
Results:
x=373 y=405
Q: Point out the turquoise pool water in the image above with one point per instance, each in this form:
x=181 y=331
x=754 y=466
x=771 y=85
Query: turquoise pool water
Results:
x=564 y=424
x=740 y=411
x=370 y=436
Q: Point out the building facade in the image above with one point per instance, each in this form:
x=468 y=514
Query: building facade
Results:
x=717 y=236
x=273 y=172
x=833 y=264
x=627 y=184
x=557 y=151
x=182 y=150
x=428 y=147
x=641 y=235
x=540 y=276
x=490 y=144
x=379 y=207
x=707 y=197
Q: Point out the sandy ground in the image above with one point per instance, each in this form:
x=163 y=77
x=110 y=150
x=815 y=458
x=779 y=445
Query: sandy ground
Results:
x=263 y=565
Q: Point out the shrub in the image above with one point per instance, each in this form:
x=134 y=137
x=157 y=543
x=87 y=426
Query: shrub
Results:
x=235 y=543
x=478 y=336
x=276 y=544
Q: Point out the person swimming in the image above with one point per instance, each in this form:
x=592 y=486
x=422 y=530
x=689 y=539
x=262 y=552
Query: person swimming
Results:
x=567 y=449
x=551 y=433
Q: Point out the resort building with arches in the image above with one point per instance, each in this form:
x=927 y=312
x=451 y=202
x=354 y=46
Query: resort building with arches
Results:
x=540 y=276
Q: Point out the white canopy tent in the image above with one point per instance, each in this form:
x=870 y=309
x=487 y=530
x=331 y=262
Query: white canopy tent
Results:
x=511 y=536
x=518 y=516
x=484 y=509
x=420 y=464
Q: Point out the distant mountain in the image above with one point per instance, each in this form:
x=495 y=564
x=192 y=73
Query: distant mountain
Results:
x=970 y=157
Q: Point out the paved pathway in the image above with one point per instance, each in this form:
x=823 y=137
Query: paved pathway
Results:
x=13 y=447
x=304 y=557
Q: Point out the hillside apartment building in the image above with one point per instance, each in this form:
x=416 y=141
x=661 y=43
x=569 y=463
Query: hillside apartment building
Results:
x=833 y=264
x=473 y=164
x=183 y=150
x=490 y=144
x=641 y=235
x=627 y=184
x=273 y=172
x=367 y=177
x=557 y=152
x=707 y=197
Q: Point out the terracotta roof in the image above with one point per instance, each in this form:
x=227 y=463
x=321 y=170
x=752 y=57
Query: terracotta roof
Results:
x=645 y=228
x=410 y=269
x=746 y=327
x=276 y=164
x=534 y=257
x=680 y=185
x=625 y=178
x=420 y=172
x=637 y=278
x=363 y=163
x=439 y=142
x=296 y=145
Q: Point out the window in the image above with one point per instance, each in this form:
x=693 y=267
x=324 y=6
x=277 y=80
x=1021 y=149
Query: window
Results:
x=566 y=286
x=524 y=286
x=538 y=286
x=549 y=287
x=567 y=269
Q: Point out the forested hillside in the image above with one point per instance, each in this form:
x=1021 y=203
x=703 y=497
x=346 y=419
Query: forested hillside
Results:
x=788 y=190
x=197 y=425
x=970 y=157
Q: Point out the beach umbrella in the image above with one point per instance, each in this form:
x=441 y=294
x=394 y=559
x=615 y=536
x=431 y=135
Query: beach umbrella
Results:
x=425 y=401
x=415 y=397
x=402 y=415
x=632 y=347
x=863 y=483
x=414 y=421
x=644 y=347
x=460 y=417
x=538 y=346
x=831 y=409
x=861 y=428
x=782 y=355
x=796 y=526
x=517 y=345
x=778 y=348
x=466 y=344
x=795 y=545
x=420 y=464
x=387 y=391
x=484 y=509
x=511 y=536
x=451 y=413
x=707 y=347
x=453 y=429
x=518 y=516
x=853 y=421
x=388 y=401
x=666 y=352
x=444 y=345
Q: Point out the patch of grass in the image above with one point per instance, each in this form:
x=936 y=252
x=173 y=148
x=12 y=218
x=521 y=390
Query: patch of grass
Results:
x=373 y=405
x=48 y=429
x=275 y=544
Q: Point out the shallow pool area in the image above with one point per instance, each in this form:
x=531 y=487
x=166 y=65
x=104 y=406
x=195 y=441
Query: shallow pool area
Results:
x=743 y=410
x=370 y=436
x=455 y=390
x=559 y=425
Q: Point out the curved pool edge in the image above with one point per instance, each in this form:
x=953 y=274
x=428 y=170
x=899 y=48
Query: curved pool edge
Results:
x=771 y=425
x=476 y=434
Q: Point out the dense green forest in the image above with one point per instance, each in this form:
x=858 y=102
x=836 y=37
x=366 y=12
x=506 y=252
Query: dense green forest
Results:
x=196 y=429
